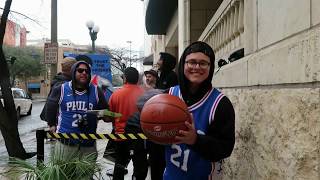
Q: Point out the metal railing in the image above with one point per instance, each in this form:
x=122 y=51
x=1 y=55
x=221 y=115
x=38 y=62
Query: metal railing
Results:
x=226 y=28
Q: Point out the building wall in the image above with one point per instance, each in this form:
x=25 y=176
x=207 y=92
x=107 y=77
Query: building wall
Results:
x=276 y=95
x=277 y=133
x=292 y=16
x=15 y=35
x=23 y=37
x=9 y=37
x=275 y=88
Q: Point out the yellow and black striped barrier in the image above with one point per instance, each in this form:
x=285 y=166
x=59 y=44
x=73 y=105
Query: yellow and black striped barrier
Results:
x=42 y=134
x=82 y=136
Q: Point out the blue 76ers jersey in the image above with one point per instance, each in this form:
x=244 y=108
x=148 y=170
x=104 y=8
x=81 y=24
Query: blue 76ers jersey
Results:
x=74 y=106
x=181 y=161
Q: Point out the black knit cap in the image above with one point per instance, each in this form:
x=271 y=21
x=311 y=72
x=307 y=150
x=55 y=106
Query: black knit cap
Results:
x=132 y=75
x=85 y=58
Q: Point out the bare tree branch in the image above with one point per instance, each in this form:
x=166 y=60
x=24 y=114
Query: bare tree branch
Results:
x=35 y=21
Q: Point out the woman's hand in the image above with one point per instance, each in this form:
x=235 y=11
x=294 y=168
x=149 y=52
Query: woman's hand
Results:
x=189 y=136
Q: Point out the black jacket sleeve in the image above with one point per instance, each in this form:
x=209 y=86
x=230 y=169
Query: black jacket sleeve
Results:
x=218 y=143
x=167 y=80
x=52 y=106
x=102 y=104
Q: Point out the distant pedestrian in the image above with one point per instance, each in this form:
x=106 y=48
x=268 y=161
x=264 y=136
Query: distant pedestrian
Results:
x=168 y=78
x=151 y=77
x=124 y=101
x=140 y=162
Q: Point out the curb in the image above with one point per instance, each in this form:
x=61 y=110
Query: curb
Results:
x=38 y=100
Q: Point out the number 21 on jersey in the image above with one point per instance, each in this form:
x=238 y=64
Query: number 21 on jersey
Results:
x=174 y=158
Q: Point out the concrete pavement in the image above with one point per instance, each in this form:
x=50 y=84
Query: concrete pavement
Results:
x=29 y=142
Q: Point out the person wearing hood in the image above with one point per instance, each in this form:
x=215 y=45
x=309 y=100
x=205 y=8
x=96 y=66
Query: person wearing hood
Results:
x=60 y=78
x=69 y=103
x=168 y=77
x=210 y=137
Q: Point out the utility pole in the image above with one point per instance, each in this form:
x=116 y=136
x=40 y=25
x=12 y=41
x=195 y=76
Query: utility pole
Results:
x=130 y=53
x=54 y=29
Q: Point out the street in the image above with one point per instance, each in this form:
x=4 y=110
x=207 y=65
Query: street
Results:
x=27 y=129
x=27 y=126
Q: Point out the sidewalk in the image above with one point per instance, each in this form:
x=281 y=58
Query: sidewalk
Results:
x=37 y=98
x=29 y=142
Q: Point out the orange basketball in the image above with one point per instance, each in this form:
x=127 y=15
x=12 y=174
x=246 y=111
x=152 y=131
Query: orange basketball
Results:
x=162 y=117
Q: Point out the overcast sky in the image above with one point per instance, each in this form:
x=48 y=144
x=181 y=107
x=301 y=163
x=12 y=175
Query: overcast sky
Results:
x=119 y=20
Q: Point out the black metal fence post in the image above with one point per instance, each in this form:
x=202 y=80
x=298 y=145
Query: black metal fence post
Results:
x=40 y=134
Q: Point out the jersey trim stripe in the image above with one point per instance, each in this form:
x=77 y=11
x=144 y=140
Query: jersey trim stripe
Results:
x=203 y=100
x=214 y=107
x=61 y=93
x=171 y=90
x=59 y=119
x=96 y=93
x=177 y=88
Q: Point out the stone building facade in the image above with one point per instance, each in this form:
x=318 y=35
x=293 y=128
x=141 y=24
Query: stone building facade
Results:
x=274 y=84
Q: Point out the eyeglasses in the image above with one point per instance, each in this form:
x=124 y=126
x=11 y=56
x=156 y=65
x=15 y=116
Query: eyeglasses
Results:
x=81 y=70
x=202 y=64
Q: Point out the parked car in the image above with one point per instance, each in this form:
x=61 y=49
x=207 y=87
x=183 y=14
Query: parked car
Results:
x=22 y=101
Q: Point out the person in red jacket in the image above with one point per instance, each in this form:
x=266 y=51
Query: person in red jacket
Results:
x=124 y=101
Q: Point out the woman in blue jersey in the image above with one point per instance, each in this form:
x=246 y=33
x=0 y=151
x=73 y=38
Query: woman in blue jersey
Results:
x=211 y=136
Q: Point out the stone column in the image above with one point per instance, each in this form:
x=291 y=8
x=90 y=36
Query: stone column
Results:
x=184 y=24
x=250 y=26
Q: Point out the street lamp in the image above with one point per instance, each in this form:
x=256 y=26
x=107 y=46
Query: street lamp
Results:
x=93 y=31
x=130 y=52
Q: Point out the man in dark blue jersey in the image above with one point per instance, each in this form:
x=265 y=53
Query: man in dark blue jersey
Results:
x=69 y=103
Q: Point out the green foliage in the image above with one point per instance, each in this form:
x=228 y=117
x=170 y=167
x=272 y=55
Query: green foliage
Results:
x=59 y=167
x=27 y=63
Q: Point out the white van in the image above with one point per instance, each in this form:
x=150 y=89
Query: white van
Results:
x=22 y=101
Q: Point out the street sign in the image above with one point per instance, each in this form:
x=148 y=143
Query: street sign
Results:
x=50 y=53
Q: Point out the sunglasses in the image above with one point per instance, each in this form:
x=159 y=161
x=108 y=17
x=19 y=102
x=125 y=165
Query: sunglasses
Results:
x=81 y=70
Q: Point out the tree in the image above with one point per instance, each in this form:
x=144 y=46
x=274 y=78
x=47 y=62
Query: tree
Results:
x=8 y=114
x=119 y=60
x=27 y=63
x=117 y=57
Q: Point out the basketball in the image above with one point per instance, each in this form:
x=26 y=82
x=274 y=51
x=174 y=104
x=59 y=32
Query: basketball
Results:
x=162 y=117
